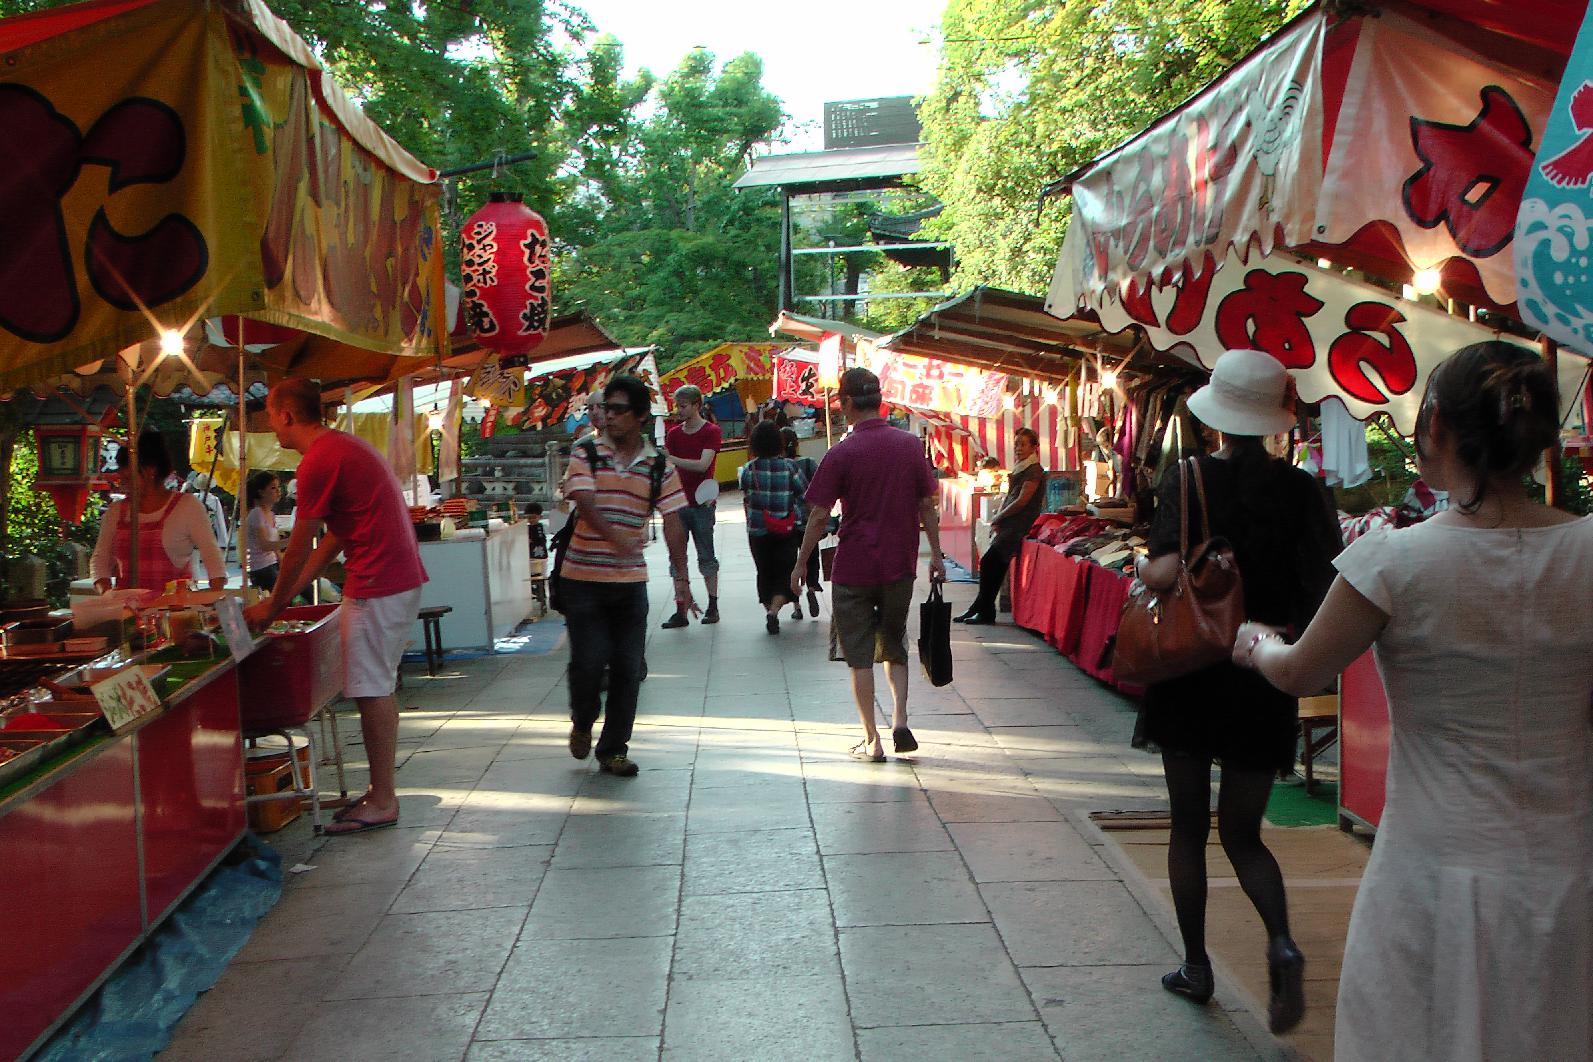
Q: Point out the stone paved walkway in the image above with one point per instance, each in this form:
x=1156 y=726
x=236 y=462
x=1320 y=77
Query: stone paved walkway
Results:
x=754 y=894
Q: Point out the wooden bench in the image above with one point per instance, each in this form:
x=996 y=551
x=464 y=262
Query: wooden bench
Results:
x=431 y=627
x=1317 y=714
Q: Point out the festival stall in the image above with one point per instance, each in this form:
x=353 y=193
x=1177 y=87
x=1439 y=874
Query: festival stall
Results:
x=209 y=167
x=1348 y=198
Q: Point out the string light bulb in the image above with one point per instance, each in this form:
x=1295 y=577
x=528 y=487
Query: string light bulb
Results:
x=434 y=419
x=171 y=343
x=1426 y=281
x=1109 y=379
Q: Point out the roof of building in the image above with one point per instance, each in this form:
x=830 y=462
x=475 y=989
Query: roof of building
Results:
x=817 y=171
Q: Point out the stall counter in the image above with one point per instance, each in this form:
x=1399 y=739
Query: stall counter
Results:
x=101 y=845
x=962 y=507
x=486 y=581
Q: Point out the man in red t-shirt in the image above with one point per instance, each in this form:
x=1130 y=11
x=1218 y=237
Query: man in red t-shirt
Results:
x=693 y=445
x=350 y=497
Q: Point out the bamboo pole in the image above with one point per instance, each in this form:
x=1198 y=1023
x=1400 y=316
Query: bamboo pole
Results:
x=134 y=516
x=243 y=462
x=1554 y=489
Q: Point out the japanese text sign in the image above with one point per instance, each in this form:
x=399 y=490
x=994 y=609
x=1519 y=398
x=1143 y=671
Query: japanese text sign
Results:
x=942 y=386
x=796 y=380
x=1339 y=337
x=721 y=367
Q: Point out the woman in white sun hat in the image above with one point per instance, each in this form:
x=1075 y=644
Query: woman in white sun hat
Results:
x=1284 y=536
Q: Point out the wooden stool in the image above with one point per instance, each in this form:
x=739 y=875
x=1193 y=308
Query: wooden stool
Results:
x=1317 y=714
x=431 y=627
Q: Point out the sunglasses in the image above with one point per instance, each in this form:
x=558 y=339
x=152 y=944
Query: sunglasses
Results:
x=616 y=408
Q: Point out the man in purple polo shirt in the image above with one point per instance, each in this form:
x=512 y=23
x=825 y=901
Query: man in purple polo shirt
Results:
x=883 y=481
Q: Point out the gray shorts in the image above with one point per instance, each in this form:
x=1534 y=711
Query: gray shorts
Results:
x=871 y=621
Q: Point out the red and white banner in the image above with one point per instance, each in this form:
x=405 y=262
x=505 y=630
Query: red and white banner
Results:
x=958 y=443
x=1438 y=141
x=929 y=383
x=1339 y=337
x=1241 y=161
x=796 y=378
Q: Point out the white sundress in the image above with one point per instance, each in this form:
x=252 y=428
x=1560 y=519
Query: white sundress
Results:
x=1472 y=933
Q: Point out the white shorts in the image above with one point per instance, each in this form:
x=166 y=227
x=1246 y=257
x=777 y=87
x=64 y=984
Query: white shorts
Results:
x=375 y=631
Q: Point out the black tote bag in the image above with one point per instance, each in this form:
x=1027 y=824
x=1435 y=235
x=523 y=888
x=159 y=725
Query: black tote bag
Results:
x=934 y=637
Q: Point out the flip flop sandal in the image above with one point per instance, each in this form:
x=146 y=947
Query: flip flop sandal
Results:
x=358 y=825
x=349 y=809
x=860 y=752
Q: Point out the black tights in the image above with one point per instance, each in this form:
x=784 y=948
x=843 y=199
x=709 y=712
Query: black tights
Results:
x=1241 y=801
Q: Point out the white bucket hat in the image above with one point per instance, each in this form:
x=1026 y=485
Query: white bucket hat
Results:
x=1249 y=394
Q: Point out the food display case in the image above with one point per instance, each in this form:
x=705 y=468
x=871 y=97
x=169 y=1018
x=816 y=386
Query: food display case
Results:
x=103 y=834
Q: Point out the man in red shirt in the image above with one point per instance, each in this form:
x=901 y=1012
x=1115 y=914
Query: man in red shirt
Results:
x=693 y=445
x=350 y=497
x=885 y=486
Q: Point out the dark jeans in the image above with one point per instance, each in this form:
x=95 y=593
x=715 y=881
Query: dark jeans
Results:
x=607 y=623
x=992 y=571
x=265 y=578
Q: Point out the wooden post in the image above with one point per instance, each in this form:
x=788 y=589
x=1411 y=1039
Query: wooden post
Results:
x=1554 y=490
x=786 y=263
x=132 y=488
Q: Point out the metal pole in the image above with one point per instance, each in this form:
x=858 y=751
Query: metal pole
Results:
x=243 y=463
x=786 y=285
x=1554 y=490
x=132 y=489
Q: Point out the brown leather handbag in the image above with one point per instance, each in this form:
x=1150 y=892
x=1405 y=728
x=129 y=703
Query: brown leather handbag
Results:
x=1191 y=625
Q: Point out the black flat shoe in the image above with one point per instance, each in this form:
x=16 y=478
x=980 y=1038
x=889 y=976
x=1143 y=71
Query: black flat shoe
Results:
x=771 y=623
x=1194 y=983
x=903 y=741
x=979 y=620
x=1286 y=970
x=965 y=617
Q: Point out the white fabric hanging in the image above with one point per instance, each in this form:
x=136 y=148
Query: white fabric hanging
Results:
x=1344 y=458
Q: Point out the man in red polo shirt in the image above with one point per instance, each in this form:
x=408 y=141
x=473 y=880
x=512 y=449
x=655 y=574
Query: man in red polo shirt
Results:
x=885 y=486
x=349 y=496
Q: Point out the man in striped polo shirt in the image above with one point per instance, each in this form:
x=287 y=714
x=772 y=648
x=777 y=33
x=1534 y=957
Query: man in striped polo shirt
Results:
x=604 y=579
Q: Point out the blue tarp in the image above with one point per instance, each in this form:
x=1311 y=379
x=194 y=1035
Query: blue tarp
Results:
x=133 y=1014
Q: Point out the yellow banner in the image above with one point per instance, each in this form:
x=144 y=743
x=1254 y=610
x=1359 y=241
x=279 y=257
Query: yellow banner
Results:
x=723 y=367
x=265 y=453
x=177 y=166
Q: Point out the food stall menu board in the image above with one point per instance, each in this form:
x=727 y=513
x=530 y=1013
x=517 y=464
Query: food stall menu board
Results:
x=125 y=698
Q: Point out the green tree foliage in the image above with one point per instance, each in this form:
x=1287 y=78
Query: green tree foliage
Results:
x=1029 y=90
x=672 y=255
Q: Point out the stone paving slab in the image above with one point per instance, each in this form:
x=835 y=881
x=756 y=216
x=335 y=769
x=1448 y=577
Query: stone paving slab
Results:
x=754 y=894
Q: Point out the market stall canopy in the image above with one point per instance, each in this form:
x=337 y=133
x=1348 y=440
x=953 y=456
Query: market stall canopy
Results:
x=1394 y=142
x=748 y=367
x=814 y=329
x=241 y=181
x=1008 y=332
x=833 y=170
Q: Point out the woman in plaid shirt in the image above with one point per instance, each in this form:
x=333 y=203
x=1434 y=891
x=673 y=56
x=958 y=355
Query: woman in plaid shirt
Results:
x=771 y=490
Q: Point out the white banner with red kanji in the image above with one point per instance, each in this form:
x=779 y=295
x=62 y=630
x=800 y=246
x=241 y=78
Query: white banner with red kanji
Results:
x=929 y=383
x=796 y=377
x=1339 y=337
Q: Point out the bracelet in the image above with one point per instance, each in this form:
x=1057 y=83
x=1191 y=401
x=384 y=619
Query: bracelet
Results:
x=1256 y=640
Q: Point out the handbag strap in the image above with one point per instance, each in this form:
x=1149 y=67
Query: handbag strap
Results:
x=1200 y=490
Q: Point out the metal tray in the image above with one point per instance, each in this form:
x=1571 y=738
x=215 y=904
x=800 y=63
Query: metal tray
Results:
x=31 y=751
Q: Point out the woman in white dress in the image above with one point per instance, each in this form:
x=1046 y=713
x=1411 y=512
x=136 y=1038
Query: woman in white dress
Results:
x=1472 y=933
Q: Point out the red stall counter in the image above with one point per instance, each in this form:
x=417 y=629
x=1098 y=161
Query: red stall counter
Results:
x=1363 y=744
x=294 y=675
x=98 y=848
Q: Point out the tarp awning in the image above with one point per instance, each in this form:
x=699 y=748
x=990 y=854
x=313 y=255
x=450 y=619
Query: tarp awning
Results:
x=208 y=167
x=1395 y=143
x=818 y=170
x=1008 y=332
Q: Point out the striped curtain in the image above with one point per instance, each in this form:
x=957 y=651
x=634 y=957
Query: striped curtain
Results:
x=959 y=443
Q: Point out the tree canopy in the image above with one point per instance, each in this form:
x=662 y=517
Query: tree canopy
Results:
x=1028 y=90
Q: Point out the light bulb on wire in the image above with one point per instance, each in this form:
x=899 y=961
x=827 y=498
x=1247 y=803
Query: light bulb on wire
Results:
x=171 y=342
x=1426 y=281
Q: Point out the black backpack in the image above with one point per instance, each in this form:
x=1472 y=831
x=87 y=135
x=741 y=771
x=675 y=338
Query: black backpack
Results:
x=561 y=539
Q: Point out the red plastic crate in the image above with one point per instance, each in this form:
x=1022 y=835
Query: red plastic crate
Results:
x=290 y=678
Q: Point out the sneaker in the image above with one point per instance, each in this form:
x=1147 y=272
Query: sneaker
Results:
x=580 y=743
x=677 y=620
x=1193 y=982
x=618 y=765
x=796 y=612
x=711 y=616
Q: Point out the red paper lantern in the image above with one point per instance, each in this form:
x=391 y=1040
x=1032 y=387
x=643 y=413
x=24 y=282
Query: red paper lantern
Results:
x=505 y=261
